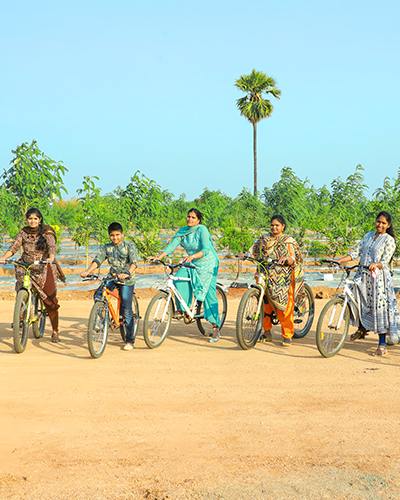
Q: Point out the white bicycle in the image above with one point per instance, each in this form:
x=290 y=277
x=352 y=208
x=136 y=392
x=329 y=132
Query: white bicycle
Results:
x=336 y=315
x=162 y=308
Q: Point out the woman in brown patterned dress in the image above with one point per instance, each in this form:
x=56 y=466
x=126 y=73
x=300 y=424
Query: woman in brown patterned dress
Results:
x=38 y=242
x=284 y=281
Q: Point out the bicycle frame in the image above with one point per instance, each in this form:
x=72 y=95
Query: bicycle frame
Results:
x=260 y=280
x=114 y=313
x=174 y=292
x=349 y=298
x=27 y=285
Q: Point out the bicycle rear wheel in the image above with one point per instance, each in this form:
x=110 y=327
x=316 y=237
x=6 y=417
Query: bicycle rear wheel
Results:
x=157 y=320
x=333 y=326
x=304 y=314
x=21 y=321
x=204 y=327
x=97 y=333
x=38 y=326
x=248 y=320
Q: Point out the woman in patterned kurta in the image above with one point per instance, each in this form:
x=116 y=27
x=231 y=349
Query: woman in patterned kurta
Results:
x=197 y=242
x=38 y=242
x=284 y=281
x=379 y=311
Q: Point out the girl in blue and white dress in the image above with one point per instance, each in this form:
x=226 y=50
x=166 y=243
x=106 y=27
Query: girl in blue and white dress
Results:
x=379 y=312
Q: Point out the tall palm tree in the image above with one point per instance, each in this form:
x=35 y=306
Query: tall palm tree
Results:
x=254 y=106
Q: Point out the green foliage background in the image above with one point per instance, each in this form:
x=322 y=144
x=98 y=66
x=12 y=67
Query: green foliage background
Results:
x=327 y=220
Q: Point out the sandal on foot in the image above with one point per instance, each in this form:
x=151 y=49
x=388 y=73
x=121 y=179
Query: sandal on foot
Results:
x=265 y=337
x=380 y=351
x=55 y=338
x=215 y=335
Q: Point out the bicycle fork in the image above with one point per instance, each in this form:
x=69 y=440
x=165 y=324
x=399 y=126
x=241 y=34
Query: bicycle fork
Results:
x=342 y=312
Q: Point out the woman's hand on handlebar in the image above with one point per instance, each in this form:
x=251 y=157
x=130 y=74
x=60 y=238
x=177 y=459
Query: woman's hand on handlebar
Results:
x=374 y=266
x=187 y=260
x=286 y=261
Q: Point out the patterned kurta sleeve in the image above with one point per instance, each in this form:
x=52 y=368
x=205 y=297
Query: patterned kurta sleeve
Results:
x=388 y=251
x=101 y=255
x=172 y=245
x=51 y=243
x=290 y=245
x=133 y=254
x=17 y=244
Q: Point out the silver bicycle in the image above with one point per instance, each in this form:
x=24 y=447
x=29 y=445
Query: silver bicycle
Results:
x=334 y=320
x=162 y=308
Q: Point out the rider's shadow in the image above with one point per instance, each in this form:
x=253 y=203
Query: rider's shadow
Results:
x=6 y=337
x=366 y=347
x=189 y=334
x=275 y=347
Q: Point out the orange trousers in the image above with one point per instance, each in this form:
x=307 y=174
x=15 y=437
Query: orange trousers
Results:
x=286 y=318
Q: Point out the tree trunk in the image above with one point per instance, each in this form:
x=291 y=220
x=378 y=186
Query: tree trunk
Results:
x=255 y=158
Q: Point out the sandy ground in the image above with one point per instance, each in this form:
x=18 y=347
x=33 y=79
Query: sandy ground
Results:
x=194 y=420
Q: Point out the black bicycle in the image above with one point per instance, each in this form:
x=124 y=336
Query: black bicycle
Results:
x=251 y=308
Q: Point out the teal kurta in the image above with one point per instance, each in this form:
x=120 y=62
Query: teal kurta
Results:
x=204 y=278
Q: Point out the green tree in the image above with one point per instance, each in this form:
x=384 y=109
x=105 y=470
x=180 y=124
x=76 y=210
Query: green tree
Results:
x=9 y=215
x=387 y=198
x=348 y=216
x=33 y=177
x=213 y=205
x=247 y=211
x=146 y=202
x=254 y=106
x=90 y=218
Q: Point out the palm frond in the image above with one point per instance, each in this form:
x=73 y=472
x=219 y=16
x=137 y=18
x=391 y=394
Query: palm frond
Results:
x=253 y=105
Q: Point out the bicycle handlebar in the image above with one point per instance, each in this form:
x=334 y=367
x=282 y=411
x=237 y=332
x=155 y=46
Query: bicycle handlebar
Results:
x=345 y=268
x=174 y=266
x=26 y=264
x=91 y=277
x=268 y=262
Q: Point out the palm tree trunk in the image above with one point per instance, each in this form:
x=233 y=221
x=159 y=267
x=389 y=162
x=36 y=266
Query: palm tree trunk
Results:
x=255 y=158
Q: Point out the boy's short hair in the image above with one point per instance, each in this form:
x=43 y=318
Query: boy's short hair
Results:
x=115 y=226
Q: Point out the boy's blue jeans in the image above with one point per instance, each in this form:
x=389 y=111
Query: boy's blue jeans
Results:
x=126 y=294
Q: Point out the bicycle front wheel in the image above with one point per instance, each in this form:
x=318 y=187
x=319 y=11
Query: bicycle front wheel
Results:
x=21 y=321
x=38 y=326
x=97 y=333
x=202 y=324
x=249 y=319
x=157 y=320
x=333 y=327
x=304 y=314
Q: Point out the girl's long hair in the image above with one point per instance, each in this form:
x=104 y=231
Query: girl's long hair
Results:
x=388 y=218
x=41 y=242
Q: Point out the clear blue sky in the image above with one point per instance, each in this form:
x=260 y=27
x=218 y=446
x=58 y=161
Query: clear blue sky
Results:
x=112 y=87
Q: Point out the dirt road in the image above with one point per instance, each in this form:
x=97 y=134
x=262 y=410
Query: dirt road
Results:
x=194 y=420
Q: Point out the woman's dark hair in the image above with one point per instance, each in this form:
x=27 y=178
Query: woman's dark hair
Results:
x=199 y=215
x=388 y=218
x=279 y=218
x=41 y=242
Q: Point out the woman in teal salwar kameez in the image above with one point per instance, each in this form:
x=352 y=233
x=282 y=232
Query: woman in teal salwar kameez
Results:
x=196 y=240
